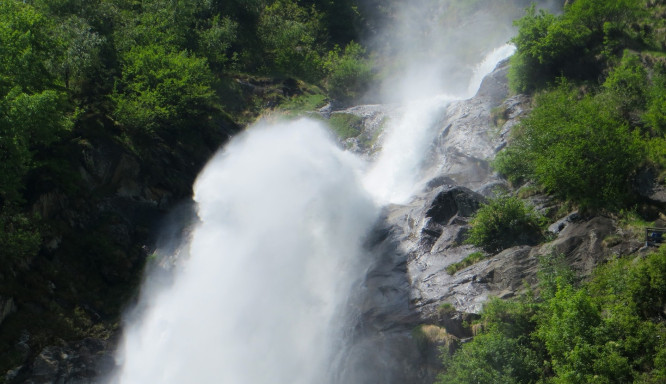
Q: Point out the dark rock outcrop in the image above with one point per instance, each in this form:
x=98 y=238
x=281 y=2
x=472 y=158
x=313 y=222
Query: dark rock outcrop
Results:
x=83 y=362
x=648 y=187
x=454 y=201
x=100 y=225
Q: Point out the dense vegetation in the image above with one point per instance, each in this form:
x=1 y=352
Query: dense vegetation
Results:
x=599 y=73
x=608 y=330
x=161 y=83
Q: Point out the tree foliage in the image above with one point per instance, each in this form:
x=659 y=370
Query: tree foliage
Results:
x=503 y=222
x=578 y=147
x=291 y=35
x=33 y=110
x=576 y=44
x=349 y=72
x=491 y=358
x=160 y=88
x=600 y=332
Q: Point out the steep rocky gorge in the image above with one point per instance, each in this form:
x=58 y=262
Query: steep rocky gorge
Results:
x=411 y=306
x=410 y=247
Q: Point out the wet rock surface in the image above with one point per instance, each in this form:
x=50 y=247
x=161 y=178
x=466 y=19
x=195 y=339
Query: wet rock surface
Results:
x=414 y=243
x=85 y=362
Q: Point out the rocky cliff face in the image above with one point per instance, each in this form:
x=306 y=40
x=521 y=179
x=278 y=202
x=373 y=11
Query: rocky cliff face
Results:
x=410 y=304
x=99 y=230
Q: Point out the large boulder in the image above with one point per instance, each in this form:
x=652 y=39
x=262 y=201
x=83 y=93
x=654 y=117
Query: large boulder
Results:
x=454 y=201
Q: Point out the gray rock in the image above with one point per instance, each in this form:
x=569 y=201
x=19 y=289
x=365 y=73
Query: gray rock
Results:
x=581 y=242
x=7 y=307
x=647 y=186
x=454 y=201
x=83 y=362
x=438 y=182
x=560 y=224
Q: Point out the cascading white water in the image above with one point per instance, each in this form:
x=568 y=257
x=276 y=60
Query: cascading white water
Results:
x=261 y=296
x=487 y=65
x=395 y=176
x=270 y=266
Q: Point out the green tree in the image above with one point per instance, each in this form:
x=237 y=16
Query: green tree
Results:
x=655 y=116
x=568 y=333
x=628 y=83
x=33 y=111
x=491 y=358
x=215 y=41
x=576 y=146
x=81 y=47
x=349 y=73
x=162 y=89
x=576 y=44
x=26 y=46
x=292 y=36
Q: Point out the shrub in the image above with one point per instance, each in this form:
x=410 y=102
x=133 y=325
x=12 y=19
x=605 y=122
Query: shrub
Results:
x=490 y=358
x=162 y=88
x=628 y=83
x=289 y=34
x=504 y=222
x=349 y=74
x=577 y=147
x=575 y=44
x=426 y=335
x=655 y=115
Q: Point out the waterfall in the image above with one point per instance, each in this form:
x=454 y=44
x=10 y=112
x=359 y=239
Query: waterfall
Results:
x=261 y=294
x=395 y=176
x=269 y=268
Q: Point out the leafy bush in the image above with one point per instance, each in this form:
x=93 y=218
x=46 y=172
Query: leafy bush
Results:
x=575 y=45
x=610 y=330
x=161 y=88
x=290 y=35
x=655 y=116
x=528 y=68
x=350 y=73
x=490 y=358
x=504 y=222
x=577 y=147
x=216 y=40
x=628 y=83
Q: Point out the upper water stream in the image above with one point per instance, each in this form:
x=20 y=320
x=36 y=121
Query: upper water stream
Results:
x=263 y=290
